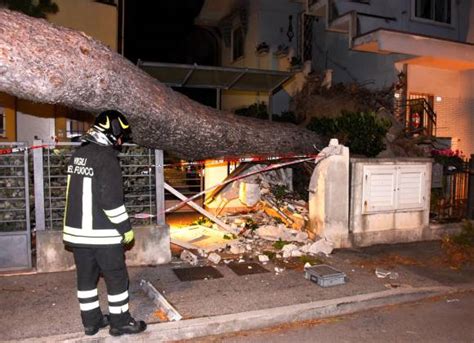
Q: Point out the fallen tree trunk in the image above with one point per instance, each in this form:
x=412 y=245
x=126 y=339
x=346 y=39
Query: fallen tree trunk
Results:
x=50 y=64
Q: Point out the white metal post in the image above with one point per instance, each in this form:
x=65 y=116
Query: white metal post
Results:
x=160 y=191
x=39 y=186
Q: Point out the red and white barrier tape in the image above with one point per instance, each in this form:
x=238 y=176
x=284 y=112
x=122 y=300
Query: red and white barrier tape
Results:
x=21 y=149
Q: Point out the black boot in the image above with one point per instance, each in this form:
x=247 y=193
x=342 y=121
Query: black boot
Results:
x=92 y=330
x=132 y=327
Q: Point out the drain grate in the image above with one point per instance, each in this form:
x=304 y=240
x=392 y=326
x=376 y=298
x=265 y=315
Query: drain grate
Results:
x=197 y=273
x=246 y=268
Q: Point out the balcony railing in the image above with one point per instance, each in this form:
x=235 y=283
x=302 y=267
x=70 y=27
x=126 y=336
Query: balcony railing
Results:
x=419 y=118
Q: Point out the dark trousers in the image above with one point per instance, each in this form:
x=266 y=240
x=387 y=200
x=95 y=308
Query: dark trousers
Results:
x=110 y=262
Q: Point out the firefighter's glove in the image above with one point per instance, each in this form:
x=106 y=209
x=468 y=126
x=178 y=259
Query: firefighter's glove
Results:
x=128 y=237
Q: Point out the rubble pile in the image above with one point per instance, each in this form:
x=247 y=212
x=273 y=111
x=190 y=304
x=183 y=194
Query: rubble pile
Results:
x=270 y=220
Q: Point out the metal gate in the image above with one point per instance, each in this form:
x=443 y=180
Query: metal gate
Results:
x=15 y=235
x=138 y=169
x=46 y=169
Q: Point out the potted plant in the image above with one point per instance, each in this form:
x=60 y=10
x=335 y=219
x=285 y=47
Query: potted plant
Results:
x=262 y=49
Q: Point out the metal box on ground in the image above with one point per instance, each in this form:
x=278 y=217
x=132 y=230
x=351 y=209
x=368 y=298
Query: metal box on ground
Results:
x=324 y=275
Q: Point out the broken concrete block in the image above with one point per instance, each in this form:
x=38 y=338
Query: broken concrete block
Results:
x=321 y=246
x=249 y=193
x=237 y=249
x=301 y=236
x=296 y=253
x=287 y=250
x=214 y=258
x=189 y=257
x=263 y=258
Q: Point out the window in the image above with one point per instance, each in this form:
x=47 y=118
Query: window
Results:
x=3 y=132
x=435 y=10
x=76 y=128
x=237 y=43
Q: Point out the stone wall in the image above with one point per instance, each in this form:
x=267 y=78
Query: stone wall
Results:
x=151 y=247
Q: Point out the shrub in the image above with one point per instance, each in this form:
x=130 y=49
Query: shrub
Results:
x=257 y=110
x=285 y=117
x=362 y=132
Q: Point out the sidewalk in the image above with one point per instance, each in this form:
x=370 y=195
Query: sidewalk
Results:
x=43 y=307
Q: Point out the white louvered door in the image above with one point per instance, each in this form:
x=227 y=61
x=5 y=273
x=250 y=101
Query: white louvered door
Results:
x=392 y=188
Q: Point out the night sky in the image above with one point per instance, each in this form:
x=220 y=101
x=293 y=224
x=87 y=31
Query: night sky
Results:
x=163 y=31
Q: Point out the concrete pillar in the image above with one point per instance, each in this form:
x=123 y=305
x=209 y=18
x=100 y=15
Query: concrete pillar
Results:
x=329 y=195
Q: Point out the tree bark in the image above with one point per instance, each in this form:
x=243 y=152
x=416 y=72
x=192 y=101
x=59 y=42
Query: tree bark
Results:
x=50 y=64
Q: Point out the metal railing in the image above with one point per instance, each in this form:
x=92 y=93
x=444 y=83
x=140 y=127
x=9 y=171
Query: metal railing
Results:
x=421 y=119
x=140 y=168
x=138 y=172
x=449 y=203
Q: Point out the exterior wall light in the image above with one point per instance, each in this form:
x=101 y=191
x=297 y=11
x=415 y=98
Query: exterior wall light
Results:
x=438 y=99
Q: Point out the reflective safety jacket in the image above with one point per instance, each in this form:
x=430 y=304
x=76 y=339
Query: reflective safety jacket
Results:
x=95 y=213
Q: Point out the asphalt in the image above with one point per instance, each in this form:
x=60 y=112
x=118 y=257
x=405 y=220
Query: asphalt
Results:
x=43 y=307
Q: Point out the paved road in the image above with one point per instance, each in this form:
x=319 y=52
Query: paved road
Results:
x=444 y=319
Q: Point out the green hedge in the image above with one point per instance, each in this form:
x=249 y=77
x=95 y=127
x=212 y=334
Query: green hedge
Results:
x=362 y=132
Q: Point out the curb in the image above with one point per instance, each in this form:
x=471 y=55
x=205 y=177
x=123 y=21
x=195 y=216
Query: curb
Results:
x=208 y=326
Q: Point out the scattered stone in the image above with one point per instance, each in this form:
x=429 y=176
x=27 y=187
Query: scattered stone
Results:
x=189 y=257
x=288 y=249
x=263 y=258
x=237 y=249
x=382 y=273
x=296 y=253
x=322 y=245
x=214 y=258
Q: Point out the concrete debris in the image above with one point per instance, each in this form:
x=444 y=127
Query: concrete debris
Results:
x=270 y=221
x=288 y=249
x=214 y=258
x=382 y=274
x=189 y=257
x=249 y=193
x=321 y=246
x=263 y=258
x=237 y=248
x=280 y=232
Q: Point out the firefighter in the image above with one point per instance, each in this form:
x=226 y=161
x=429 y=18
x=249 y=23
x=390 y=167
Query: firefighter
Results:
x=97 y=226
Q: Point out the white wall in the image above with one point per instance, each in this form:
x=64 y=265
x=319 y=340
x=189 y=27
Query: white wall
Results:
x=29 y=126
x=402 y=11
